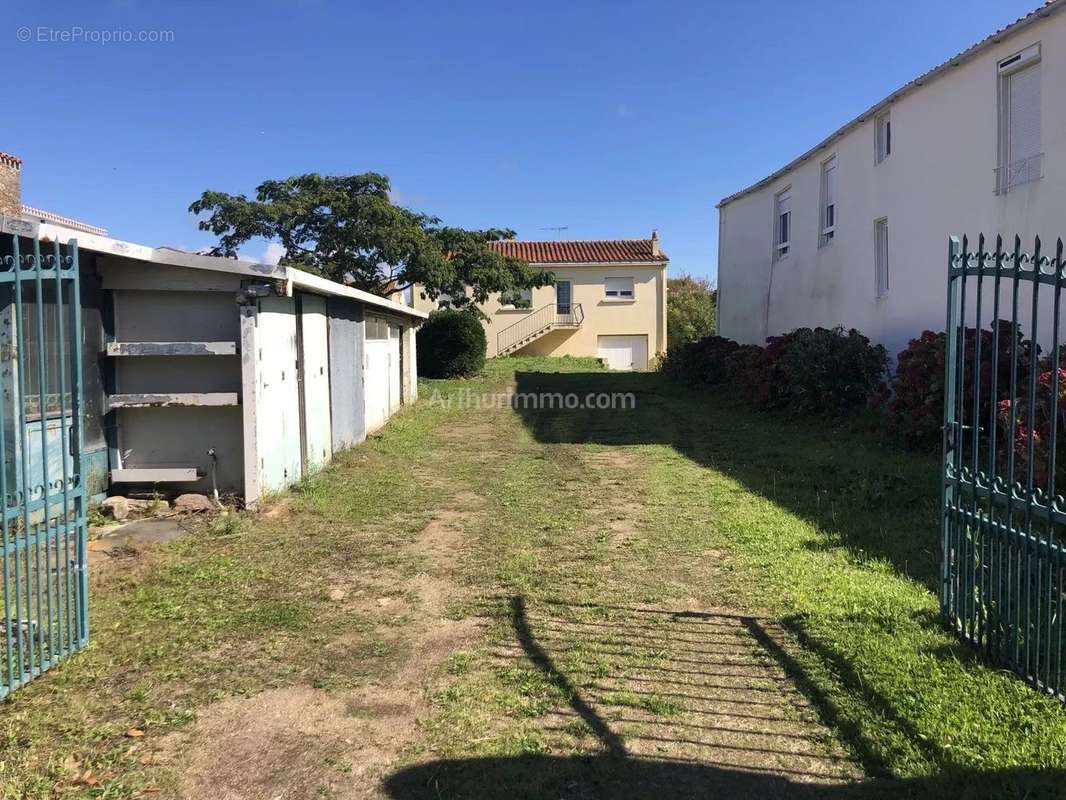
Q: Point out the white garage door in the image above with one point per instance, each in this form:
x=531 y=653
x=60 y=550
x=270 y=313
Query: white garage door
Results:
x=376 y=383
x=623 y=352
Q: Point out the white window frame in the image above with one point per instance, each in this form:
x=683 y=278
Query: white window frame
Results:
x=827 y=214
x=882 y=263
x=882 y=136
x=620 y=294
x=782 y=247
x=1012 y=174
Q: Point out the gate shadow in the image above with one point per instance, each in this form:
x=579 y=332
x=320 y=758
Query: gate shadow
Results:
x=616 y=772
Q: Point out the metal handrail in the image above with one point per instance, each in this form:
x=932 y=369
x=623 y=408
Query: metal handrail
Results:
x=542 y=320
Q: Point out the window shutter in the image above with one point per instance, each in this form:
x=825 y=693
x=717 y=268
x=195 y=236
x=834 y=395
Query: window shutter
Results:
x=1024 y=111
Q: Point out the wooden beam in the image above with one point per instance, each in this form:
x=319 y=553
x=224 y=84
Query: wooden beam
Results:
x=118 y=349
x=164 y=400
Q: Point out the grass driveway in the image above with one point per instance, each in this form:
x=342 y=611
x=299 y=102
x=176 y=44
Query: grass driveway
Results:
x=671 y=597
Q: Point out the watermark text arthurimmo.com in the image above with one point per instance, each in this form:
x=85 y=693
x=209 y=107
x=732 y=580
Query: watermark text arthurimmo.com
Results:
x=76 y=34
x=534 y=401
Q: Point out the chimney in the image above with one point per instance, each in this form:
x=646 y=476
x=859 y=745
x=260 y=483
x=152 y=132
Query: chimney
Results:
x=10 y=185
x=655 y=243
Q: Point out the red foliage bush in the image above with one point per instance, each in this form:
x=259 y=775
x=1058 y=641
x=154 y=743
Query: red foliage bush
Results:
x=916 y=410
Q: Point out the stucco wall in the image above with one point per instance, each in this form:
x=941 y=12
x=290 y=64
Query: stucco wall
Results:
x=644 y=315
x=938 y=181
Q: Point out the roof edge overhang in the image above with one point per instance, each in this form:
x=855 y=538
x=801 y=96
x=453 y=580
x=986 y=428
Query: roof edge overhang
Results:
x=1033 y=17
x=164 y=256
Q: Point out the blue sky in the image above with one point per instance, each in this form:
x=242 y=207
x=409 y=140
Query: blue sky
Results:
x=611 y=118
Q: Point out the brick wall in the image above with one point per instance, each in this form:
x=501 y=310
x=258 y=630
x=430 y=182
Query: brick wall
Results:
x=10 y=185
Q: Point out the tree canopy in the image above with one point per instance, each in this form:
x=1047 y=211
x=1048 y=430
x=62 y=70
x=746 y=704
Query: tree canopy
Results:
x=690 y=309
x=347 y=228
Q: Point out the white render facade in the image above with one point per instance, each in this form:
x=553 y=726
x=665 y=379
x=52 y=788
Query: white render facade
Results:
x=975 y=145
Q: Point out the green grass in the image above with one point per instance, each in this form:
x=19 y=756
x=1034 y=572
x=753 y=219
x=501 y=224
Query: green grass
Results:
x=820 y=537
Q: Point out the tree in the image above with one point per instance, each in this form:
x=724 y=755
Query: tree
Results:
x=346 y=228
x=690 y=309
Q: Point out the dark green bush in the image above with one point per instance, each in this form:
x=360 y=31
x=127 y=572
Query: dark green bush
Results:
x=451 y=344
x=830 y=370
x=704 y=362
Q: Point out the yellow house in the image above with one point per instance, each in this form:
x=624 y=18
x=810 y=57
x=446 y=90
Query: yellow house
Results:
x=608 y=301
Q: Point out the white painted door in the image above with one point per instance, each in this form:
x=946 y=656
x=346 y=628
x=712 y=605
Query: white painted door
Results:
x=277 y=394
x=376 y=382
x=395 y=382
x=314 y=360
x=623 y=352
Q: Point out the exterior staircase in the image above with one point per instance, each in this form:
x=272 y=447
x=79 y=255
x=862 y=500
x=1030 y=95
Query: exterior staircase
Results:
x=533 y=326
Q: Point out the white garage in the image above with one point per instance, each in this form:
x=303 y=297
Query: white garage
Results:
x=623 y=352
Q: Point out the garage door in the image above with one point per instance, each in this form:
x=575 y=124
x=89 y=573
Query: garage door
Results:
x=277 y=394
x=623 y=352
x=314 y=361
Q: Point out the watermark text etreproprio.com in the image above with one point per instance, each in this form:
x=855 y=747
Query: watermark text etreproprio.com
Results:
x=534 y=401
x=77 y=34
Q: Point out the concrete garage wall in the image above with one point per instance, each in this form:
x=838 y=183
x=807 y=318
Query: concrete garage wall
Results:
x=938 y=181
x=346 y=372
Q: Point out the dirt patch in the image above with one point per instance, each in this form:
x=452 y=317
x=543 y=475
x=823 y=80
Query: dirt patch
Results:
x=301 y=742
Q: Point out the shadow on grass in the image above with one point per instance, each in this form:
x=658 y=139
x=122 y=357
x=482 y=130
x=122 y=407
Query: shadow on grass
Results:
x=878 y=501
x=616 y=772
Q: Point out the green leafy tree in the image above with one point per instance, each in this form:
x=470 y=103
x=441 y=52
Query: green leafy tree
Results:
x=690 y=309
x=347 y=228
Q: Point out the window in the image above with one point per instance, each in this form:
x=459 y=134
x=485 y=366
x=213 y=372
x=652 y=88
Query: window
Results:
x=1020 y=158
x=619 y=288
x=409 y=296
x=782 y=222
x=883 y=137
x=829 y=200
x=521 y=298
x=881 y=256
x=377 y=328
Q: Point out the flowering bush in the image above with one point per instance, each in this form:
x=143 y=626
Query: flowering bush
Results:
x=703 y=362
x=915 y=411
x=1037 y=431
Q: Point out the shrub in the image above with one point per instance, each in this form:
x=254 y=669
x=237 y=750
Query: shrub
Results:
x=451 y=344
x=829 y=369
x=916 y=410
x=810 y=371
x=703 y=363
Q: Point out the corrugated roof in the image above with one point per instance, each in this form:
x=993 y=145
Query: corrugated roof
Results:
x=598 y=251
x=960 y=58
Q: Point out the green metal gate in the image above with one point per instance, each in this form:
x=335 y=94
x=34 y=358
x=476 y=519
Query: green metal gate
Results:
x=1004 y=514
x=43 y=547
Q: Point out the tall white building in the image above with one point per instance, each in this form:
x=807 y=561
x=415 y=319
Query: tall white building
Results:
x=855 y=231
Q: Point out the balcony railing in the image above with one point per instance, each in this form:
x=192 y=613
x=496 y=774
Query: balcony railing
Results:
x=536 y=324
x=1018 y=173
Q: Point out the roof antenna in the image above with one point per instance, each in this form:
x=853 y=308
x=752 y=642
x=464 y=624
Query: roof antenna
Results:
x=558 y=229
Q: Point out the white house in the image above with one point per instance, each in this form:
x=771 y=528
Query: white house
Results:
x=855 y=231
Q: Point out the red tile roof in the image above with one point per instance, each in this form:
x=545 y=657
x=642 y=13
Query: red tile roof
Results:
x=604 y=251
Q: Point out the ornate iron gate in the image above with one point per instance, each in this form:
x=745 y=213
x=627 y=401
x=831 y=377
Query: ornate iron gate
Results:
x=43 y=546
x=1004 y=514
